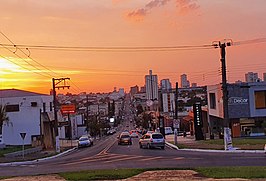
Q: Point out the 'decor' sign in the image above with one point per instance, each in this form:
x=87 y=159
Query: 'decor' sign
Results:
x=237 y=100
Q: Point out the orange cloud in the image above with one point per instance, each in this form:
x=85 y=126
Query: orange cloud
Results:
x=184 y=6
x=140 y=13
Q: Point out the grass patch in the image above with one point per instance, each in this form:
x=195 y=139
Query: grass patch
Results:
x=10 y=149
x=232 y=172
x=218 y=144
x=209 y=172
x=236 y=141
x=1 y=177
x=102 y=174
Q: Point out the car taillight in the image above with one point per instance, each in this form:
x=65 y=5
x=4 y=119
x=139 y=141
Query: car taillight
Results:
x=151 y=140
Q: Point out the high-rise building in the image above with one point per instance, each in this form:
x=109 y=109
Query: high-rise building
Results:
x=134 y=90
x=166 y=85
x=184 y=82
x=264 y=77
x=251 y=77
x=151 y=84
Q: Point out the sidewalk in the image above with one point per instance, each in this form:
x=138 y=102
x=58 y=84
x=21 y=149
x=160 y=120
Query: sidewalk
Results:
x=44 y=154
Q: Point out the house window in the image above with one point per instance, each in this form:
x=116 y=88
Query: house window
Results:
x=212 y=101
x=51 y=106
x=260 y=99
x=12 y=108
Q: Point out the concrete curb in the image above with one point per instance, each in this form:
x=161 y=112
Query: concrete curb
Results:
x=216 y=151
x=171 y=145
x=37 y=160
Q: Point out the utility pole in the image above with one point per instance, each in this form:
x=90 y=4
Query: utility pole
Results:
x=227 y=131
x=177 y=123
x=57 y=84
x=87 y=113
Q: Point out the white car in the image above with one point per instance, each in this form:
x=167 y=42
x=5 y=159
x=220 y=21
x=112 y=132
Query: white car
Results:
x=168 y=130
x=152 y=140
x=84 y=141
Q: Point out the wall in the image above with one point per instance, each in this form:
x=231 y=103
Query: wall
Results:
x=26 y=120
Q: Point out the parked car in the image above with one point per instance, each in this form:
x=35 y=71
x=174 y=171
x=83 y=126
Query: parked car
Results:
x=168 y=130
x=124 y=138
x=151 y=140
x=84 y=141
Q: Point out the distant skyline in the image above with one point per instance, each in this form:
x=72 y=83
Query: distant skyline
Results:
x=128 y=23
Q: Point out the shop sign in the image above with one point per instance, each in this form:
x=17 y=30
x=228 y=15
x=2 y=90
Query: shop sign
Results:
x=237 y=100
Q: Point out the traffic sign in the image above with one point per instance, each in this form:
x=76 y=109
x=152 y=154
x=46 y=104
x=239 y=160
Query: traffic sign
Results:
x=23 y=135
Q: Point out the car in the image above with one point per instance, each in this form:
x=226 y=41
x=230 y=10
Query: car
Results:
x=111 y=131
x=90 y=138
x=168 y=130
x=84 y=141
x=124 y=138
x=134 y=134
x=149 y=132
x=152 y=140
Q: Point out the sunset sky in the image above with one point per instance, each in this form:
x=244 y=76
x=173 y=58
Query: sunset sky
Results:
x=127 y=23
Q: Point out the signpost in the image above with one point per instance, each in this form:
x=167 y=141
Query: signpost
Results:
x=23 y=135
x=176 y=125
x=227 y=139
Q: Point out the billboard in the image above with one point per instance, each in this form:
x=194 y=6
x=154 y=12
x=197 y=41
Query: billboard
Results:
x=68 y=109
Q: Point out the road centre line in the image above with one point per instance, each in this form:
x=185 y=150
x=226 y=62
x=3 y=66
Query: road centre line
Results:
x=122 y=159
x=151 y=158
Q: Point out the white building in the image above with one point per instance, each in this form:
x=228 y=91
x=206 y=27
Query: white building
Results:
x=151 y=84
x=168 y=101
x=184 y=82
x=166 y=85
x=23 y=110
x=251 y=77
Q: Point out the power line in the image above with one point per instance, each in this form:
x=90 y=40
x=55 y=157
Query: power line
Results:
x=31 y=58
x=251 y=41
x=122 y=48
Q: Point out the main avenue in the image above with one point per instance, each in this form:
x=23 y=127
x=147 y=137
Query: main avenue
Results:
x=107 y=154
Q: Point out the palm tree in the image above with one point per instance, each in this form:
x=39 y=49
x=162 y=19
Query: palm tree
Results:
x=3 y=118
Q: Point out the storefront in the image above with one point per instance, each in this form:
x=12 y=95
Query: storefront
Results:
x=246 y=108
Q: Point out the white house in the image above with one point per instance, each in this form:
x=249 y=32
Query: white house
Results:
x=24 y=111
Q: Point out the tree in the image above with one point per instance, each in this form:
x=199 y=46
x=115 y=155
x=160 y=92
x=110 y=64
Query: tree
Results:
x=3 y=118
x=139 y=109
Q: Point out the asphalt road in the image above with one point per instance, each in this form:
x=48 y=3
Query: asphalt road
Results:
x=107 y=154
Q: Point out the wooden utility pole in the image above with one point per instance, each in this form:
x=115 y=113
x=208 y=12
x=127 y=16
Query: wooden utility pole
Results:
x=57 y=84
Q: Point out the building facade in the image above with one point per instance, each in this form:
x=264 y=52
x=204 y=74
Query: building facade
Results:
x=246 y=108
x=184 y=82
x=166 y=85
x=151 y=84
x=251 y=77
x=24 y=111
x=134 y=90
x=168 y=103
